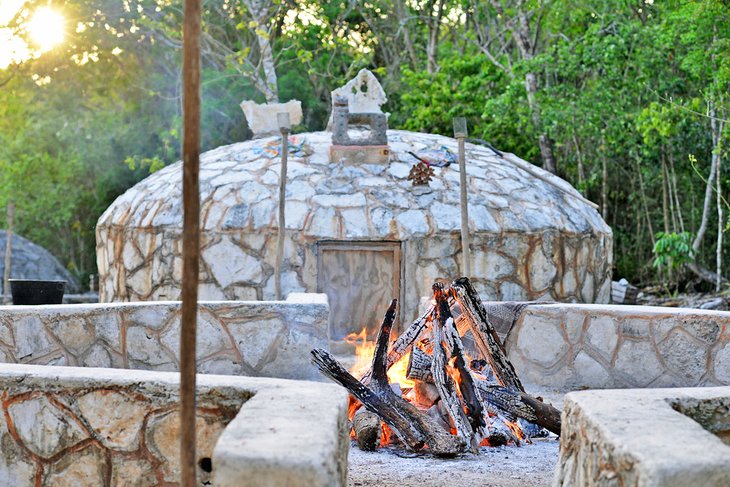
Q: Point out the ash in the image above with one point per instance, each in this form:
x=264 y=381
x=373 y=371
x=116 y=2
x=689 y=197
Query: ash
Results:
x=530 y=465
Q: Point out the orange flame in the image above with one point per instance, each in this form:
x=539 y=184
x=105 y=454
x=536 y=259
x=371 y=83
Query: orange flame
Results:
x=364 y=351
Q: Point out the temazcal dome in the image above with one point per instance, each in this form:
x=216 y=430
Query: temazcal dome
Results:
x=359 y=231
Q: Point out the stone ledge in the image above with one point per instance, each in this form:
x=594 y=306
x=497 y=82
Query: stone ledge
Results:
x=636 y=437
x=286 y=433
x=254 y=338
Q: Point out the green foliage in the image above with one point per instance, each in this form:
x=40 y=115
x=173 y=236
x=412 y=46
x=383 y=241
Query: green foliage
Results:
x=625 y=84
x=673 y=250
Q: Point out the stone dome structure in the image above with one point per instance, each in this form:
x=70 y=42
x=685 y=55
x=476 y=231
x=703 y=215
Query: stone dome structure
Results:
x=357 y=226
x=29 y=260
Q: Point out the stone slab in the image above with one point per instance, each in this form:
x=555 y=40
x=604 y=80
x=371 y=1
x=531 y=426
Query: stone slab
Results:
x=640 y=438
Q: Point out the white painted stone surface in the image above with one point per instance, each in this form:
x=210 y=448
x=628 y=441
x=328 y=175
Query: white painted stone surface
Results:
x=262 y=119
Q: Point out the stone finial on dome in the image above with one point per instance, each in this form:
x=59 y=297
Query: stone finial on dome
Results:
x=262 y=118
x=363 y=93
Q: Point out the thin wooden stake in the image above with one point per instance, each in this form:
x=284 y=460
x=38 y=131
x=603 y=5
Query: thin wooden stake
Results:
x=191 y=238
x=465 y=250
x=282 y=208
x=8 y=248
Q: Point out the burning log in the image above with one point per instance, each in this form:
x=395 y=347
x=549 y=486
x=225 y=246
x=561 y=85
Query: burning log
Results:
x=419 y=366
x=414 y=428
x=404 y=342
x=509 y=402
x=485 y=336
x=521 y=405
x=367 y=429
x=453 y=389
x=425 y=394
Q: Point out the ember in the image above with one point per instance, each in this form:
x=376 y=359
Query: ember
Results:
x=427 y=393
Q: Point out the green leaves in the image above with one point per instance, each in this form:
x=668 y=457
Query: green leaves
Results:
x=673 y=250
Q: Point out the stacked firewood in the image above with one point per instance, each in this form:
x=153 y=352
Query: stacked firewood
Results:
x=458 y=402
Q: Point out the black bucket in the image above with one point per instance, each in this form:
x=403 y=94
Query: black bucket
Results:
x=34 y=291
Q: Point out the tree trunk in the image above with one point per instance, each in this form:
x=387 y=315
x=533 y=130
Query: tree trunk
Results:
x=720 y=216
x=268 y=83
x=710 y=181
x=604 y=185
x=434 y=27
x=546 y=145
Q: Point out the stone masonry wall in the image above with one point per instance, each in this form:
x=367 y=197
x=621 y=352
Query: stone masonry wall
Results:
x=59 y=432
x=571 y=346
x=270 y=339
x=512 y=215
x=74 y=427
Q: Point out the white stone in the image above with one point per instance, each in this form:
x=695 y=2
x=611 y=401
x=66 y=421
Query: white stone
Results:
x=446 y=217
x=481 y=219
x=413 y=222
x=541 y=341
x=229 y=263
x=144 y=347
x=295 y=214
x=340 y=200
x=262 y=118
x=356 y=222
x=602 y=335
x=115 y=418
x=44 y=429
x=399 y=170
x=590 y=373
x=324 y=224
x=541 y=269
x=363 y=93
x=131 y=257
x=31 y=339
x=638 y=362
x=256 y=338
x=722 y=364
x=491 y=265
x=83 y=468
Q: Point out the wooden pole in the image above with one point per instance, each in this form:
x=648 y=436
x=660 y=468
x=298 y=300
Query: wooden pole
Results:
x=282 y=207
x=8 y=248
x=465 y=250
x=191 y=238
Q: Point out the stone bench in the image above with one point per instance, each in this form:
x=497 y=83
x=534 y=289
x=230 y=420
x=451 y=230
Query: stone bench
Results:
x=648 y=438
x=89 y=426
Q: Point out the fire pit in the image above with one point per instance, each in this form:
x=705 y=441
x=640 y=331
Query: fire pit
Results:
x=455 y=403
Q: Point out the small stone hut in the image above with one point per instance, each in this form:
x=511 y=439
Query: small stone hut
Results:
x=362 y=233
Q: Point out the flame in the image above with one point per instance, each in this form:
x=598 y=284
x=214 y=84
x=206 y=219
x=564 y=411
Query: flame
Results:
x=364 y=351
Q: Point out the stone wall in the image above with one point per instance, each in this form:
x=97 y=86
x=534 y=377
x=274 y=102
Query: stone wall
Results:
x=270 y=339
x=530 y=239
x=649 y=438
x=64 y=426
x=549 y=265
x=572 y=346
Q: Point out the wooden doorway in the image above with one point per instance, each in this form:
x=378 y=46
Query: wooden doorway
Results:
x=360 y=279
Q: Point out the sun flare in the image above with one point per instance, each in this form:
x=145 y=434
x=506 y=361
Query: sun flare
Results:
x=46 y=28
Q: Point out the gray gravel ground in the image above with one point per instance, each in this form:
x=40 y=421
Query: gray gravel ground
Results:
x=506 y=466
x=530 y=465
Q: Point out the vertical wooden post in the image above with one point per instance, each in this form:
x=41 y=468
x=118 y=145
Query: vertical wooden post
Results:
x=191 y=238
x=282 y=207
x=460 y=134
x=8 y=248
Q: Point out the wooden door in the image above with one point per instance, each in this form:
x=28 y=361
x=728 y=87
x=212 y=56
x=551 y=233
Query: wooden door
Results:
x=360 y=279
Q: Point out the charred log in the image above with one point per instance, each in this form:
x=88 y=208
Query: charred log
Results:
x=367 y=429
x=414 y=428
x=485 y=336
